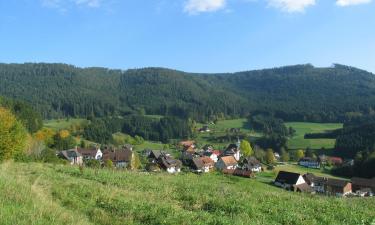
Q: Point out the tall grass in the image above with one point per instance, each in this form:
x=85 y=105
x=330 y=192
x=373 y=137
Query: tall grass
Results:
x=65 y=195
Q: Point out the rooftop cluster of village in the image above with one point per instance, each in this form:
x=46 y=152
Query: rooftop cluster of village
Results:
x=229 y=161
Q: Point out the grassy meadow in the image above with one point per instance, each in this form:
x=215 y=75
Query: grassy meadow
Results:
x=55 y=194
x=61 y=124
x=299 y=142
x=296 y=142
x=220 y=129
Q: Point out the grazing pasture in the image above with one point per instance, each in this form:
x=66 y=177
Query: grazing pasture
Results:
x=299 y=142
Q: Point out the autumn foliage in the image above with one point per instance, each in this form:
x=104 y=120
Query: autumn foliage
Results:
x=13 y=136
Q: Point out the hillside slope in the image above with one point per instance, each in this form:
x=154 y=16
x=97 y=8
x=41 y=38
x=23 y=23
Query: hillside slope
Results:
x=303 y=92
x=53 y=194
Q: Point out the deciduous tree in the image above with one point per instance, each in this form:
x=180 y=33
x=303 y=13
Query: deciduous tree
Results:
x=13 y=136
x=246 y=148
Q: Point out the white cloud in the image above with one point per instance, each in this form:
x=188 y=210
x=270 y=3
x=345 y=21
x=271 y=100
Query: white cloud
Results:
x=291 y=5
x=64 y=4
x=351 y=2
x=199 y=6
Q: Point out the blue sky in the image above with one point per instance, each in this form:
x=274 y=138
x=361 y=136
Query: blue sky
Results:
x=189 y=35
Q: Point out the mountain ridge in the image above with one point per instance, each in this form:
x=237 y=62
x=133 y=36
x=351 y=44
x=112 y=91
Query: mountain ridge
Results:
x=300 y=92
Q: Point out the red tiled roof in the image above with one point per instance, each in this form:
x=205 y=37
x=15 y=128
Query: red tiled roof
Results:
x=229 y=160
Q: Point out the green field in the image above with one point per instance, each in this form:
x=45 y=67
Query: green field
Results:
x=55 y=194
x=220 y=129
x=298 y=141
x=63 y=123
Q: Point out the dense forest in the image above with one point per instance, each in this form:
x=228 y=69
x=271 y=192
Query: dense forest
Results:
x=24 y=112
x=164 y=129
x=294 y=93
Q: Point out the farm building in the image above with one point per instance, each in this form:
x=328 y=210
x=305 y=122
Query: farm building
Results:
x=72 y=155
x=226 y=162
x=309 y=162
x=289 y=180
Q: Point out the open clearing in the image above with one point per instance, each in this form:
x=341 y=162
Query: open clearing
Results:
x=299 y=142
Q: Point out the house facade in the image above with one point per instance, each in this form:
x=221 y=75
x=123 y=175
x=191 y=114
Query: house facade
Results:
x=309 y=163
x=227 y=162
x=213 y=154
x=94 y=153
x=72 y=155
x=170 y=164
x=289 y=180
x=233 y=150
x=120 y=158
x=337 y=187
x=251 y=164
x=363 y=185
x=202 y=164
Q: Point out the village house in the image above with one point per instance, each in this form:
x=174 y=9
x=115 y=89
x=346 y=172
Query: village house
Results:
x=233 y=150
x=72 y=155
x=251 y=164
x=120 y=158
x=329 y=186
x=309 y=163
x=291 y=181
x=317 y=183
x=213 y=154
x=226 y=162
x=170 y=164
x=363 y=186
x=88 y=154
x=204 y=129
x=202 y=164
x=277 y=156
x=154 y=155
x=337 y=161
x=337 y=187
x=187 y=144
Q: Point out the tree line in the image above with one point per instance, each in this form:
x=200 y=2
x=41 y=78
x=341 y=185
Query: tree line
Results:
x=294 y=93
x=100 y=130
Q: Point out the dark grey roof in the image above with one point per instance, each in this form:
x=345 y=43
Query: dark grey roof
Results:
x=198 y=163
x=155 y=154
x=363 y=182
x=70 y=154
x=287 y=177
x=252 y=162
x=336 y=182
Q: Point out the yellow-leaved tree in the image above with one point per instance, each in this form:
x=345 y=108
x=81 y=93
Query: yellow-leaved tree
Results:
x=13 y=135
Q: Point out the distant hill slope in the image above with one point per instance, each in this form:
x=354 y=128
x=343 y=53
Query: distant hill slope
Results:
x=301 y=92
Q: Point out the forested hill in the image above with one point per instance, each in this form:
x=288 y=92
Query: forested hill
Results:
x=300 y=92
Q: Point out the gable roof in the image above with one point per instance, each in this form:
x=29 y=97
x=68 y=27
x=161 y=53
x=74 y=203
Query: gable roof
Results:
x=124 y=155
x=304 y=188
x=187 y=143
x=210 y=153
x=287 y=177
x=252 y=161
x=155 y=154
x=363 y=182
x=198 y=163
x=336 y=182
x=168 y=162
x=229 y=160
x=207 y=161
x=88 y=152
x=70 y=154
